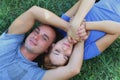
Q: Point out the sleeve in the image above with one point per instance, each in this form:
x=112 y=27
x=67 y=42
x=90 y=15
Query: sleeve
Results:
x=65 y=17
x=91 y=51
x=8 y=46
x=10 y=40
x=39 y=74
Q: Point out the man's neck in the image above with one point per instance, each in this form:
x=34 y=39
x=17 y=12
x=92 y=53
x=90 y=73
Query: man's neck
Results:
x=27 y=54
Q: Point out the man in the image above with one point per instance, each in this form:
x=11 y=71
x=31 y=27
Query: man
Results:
x=16 y=56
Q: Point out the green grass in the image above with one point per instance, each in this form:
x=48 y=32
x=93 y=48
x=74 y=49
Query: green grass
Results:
x=103 y=67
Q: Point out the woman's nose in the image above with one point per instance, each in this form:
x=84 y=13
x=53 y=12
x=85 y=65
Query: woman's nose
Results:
x=64 y=48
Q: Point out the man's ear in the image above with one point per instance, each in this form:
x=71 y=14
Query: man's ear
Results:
x=50 y=48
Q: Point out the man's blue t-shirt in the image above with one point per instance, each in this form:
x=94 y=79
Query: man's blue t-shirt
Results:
x=103 y=10
x=13 y=65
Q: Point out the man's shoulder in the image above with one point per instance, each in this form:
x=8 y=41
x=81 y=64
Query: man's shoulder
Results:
x=11 y=37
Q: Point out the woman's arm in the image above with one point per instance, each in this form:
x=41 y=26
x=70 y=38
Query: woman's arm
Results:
x=106 y=41
x=72 y=11
x=71 y=69
x=110 y=27
x=85 y=6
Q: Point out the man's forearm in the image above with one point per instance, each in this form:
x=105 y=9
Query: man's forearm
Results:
x=47 y=17
x=25 y=21
x=77 y=56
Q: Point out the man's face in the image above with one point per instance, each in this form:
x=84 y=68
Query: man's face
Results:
x=40 y=39
x=61 y=52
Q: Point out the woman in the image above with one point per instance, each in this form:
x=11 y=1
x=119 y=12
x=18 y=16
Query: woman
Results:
x=62 y=50
x=94 y=44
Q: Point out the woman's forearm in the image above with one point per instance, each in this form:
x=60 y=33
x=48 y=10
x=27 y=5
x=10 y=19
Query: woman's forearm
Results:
x=109 y=27
x=72 y=11
x=84 y=8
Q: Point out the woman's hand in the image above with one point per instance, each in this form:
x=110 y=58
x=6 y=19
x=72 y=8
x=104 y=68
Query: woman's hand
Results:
x=81 y=34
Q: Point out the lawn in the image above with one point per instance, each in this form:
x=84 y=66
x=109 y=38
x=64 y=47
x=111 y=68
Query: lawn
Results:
x=103 y=67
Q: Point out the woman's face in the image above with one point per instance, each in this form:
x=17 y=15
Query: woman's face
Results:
x=61 y=52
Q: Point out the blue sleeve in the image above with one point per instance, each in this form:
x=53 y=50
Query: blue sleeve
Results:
x=39 y=73
x=9 y=41
x=91 y=51
x=8 y=45
x=65 y=17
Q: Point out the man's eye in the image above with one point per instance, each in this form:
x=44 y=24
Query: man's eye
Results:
x=44 y=38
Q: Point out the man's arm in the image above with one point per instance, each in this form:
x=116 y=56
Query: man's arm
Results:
x=26 y=21
x=71 y=69
x=109 y=27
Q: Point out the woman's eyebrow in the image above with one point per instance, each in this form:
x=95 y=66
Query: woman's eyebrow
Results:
x=57 y=50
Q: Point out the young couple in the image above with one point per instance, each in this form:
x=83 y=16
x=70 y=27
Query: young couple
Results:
x=16 y=56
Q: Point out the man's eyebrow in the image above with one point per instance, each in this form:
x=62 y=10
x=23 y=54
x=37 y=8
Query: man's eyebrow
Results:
x=46 y=36
x=38 y=28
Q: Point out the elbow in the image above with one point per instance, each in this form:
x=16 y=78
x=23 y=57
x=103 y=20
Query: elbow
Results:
x=34 y=6
x=35 y=9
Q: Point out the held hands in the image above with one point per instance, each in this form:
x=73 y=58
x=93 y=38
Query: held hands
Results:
x=80 y=34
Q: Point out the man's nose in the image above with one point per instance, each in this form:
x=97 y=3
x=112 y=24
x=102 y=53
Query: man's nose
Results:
x=36 y=37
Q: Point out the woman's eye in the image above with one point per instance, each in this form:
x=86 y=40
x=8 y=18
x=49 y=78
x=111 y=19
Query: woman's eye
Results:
x=66 y=57
x=57 y=50
x=56 y=53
